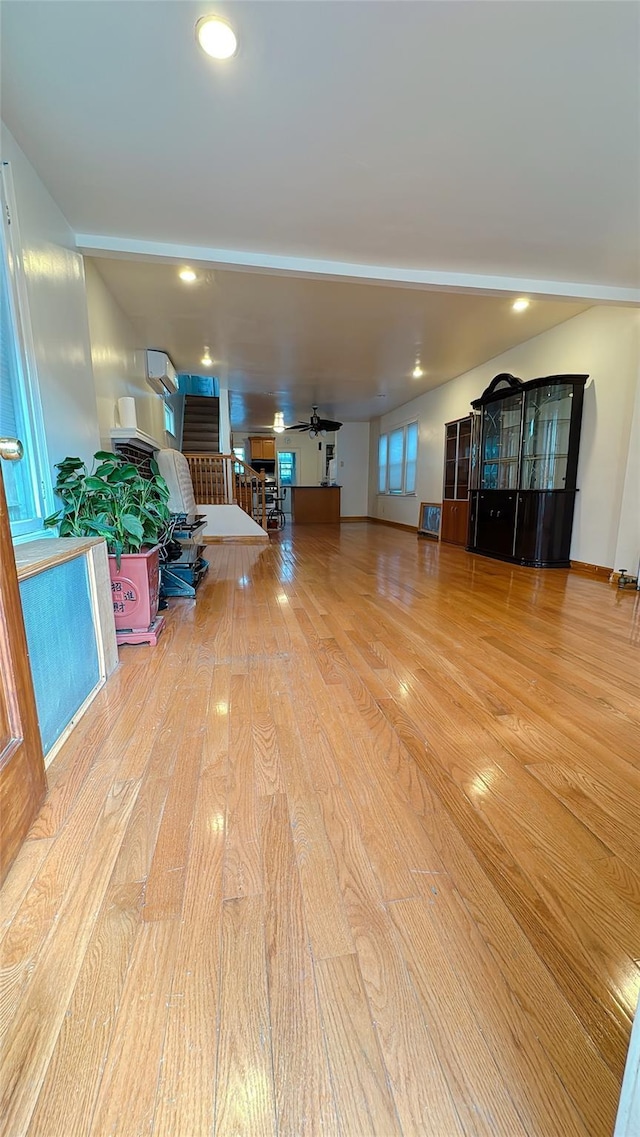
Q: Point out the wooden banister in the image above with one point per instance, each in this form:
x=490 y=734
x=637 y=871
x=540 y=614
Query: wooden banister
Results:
x=223 y=479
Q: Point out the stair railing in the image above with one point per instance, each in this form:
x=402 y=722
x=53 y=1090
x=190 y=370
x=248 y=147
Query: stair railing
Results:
x=223 y=479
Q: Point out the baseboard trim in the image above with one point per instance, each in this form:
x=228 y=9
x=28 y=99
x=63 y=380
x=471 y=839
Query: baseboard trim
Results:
x=235 y=540
x=394 y=524
x=360 y=517
x=599 y=571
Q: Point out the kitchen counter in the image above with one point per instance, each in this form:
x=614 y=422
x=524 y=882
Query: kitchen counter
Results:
x=314 y=505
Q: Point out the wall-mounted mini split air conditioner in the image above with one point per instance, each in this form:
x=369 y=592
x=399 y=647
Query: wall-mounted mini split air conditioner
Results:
x=161 y=374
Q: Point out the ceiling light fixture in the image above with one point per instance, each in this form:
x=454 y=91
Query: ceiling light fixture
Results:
x=188 y=275
x=278 y=422
x=216 y=37
x=417 y=371
x=521 y=304
x=206 y=360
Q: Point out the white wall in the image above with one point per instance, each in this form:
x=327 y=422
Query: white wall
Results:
x=56 y=294
x=603 y=342
x=119 y=363
x=352 y=472
x=224 y=421
x=628 y=546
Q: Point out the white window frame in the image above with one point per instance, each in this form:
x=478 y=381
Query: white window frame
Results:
x=35 y=443
x=169 y=416
x=383 y=475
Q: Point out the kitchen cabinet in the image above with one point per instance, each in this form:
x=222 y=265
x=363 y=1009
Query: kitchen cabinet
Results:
x=262 y=449
x=524 y=462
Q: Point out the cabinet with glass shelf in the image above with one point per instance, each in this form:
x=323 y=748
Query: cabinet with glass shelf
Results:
x=455 y=490
x=525 y=443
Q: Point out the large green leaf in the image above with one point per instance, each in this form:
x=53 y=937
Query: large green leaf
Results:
x=126 y=473
x=132 y=525
x=69 y=464
x=101 y=529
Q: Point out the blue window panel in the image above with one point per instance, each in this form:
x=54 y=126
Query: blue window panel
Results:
x=62 y=645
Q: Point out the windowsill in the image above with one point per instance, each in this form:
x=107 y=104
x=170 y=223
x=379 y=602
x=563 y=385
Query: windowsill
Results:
x=132 y=434
x=37 y=535
x=45 y=553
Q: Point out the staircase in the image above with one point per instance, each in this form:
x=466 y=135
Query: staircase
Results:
x=200 y=432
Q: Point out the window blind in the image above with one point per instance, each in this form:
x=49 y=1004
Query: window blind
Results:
x=382 y=463
x=396 y=452
x=411 y=458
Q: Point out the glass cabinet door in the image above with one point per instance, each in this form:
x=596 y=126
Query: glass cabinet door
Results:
x=501 y=444
x=450 y=459
x=545 y=447
x=464 y=456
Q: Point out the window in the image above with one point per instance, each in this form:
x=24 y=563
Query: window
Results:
x=398 y=460
x=383 y=449
x=26 y=484
x=239 y=453
x=169 y=418
x=396 y=455
x=411 y=458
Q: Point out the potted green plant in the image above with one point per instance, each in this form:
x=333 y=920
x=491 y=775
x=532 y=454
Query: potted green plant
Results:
x=115 y=501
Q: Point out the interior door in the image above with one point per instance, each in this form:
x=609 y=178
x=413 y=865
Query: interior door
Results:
x=22 y=776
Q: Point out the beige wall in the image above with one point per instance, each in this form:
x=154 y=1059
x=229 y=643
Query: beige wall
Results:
x=603 y=342
x=119 y=363
x=54 y=274
x=309 y=459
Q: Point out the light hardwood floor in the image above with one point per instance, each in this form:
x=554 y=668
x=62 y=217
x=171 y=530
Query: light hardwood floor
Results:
x=354 y=850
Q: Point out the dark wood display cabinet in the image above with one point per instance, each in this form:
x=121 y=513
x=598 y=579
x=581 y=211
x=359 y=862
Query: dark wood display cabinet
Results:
x=455 y=490
x=524 y=462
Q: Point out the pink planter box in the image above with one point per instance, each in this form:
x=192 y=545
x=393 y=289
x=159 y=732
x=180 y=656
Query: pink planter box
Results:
x=134 y=589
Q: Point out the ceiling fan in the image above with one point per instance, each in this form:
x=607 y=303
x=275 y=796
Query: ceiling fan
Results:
x=316 y=425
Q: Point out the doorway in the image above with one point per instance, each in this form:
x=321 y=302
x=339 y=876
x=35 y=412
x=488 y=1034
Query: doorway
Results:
x=287 y=475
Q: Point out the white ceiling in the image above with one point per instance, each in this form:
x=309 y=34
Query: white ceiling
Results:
x=339 y=344
x=486 y=137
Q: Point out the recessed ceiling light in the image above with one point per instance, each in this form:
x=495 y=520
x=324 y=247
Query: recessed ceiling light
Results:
x=188 y=275
x=278 y=422
x=417 y=371
x=521 y=304
x=206 y=360
x=216 y=37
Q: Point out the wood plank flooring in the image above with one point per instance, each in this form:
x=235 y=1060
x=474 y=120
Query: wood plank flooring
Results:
x=353 y=851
